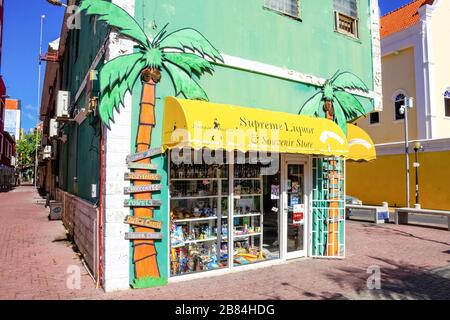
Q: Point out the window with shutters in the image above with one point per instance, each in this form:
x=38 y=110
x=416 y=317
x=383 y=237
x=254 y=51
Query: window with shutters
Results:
x=290 y=8
x=346 y=17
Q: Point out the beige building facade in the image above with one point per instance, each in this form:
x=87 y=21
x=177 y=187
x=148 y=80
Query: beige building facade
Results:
x=415 y=63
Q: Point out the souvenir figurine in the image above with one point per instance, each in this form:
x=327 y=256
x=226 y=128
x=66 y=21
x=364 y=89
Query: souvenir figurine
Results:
x=177 y=238
x=183 y=262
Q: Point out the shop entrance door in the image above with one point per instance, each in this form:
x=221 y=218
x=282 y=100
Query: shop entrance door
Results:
x=295 y=209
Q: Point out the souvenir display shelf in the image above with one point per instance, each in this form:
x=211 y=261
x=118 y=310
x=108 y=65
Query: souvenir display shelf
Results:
x=247 y=215
x=198 y=201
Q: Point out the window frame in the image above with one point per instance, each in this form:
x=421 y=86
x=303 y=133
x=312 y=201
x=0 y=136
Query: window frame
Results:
x=394 y=101
x=355 y=22
x=370 y=118
x=447 y=103
x=298 y=17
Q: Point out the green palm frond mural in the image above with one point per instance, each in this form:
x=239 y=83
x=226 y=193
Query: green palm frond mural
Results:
x=334 y=102
x=185 y=55
x=166 y=51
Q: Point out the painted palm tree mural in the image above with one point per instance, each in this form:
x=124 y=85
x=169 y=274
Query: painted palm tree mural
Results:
x=336 y=104
x=183 y=54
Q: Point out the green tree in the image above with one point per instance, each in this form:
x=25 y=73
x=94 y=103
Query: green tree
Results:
x=184 y=54
x=334 y=102
x=26 y=150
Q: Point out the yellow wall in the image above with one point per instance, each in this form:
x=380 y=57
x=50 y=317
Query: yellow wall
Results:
x=398 y=73
x=441 y=50
x=384 y=180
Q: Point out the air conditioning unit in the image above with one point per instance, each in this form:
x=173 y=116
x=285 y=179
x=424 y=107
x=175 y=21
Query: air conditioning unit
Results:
x=62 y=105
x=53 y=128
x=47 y=152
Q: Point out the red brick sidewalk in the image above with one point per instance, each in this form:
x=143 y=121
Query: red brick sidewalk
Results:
x=413 y=262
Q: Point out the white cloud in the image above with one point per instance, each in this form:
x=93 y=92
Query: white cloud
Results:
x=29 y=107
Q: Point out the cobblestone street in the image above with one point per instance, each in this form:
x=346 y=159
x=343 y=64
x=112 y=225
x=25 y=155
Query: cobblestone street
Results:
x=414 y=263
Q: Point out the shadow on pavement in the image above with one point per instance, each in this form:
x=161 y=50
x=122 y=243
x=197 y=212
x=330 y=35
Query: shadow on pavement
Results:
x=408 y=234
x=399 y=281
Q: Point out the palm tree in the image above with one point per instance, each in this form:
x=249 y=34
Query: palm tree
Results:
x=336 y=104
x=183 y=54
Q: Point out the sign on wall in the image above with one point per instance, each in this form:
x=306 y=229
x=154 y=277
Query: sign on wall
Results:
x=143 y=222
x=143 y=236
x=144 y=155
x=140 y=189
x=142 y=203
x=142 y=176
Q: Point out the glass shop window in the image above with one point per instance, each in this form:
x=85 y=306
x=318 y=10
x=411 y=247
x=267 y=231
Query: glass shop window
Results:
x=198 y=210
x=205 y=233
x=256 y=212
x=400 y=100
x=346 y=17
x=288 y=7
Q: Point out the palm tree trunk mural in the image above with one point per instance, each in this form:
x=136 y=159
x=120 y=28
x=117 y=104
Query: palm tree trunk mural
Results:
x=145 y=259
x=163 y=52
x=333 y=196
x=334 y=103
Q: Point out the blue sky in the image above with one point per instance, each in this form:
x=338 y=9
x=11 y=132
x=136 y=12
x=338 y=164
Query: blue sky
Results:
x=21 y=48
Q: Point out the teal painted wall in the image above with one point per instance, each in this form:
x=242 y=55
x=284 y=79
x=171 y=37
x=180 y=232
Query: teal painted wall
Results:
x=245 y=29
x=80 y=155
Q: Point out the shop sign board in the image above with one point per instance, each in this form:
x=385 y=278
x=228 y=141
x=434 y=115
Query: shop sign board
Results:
x=142 y=203
x=143 y=155
x=298 y=214
x=143 y=236
x=143 y=222
x=142 y=176
x=140 y=189
x=143 y=166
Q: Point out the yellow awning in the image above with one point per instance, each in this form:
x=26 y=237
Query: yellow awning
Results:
x=198 y=124
x=360 y=144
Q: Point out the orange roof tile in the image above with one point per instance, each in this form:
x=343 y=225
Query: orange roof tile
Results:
x=402 y=18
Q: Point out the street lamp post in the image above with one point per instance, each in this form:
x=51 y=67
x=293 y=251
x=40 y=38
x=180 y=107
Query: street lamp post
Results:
x=417 y=147
x=408 y=104
x=38 y=101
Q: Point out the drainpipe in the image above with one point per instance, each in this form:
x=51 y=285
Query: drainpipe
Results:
x=100 y=215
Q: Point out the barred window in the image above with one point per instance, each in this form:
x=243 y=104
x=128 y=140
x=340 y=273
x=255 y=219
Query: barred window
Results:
x=346 y=17
x=287 y=7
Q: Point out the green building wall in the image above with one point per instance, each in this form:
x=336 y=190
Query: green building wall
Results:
x=247 y=30
x=80 y=155
x=238 y=28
